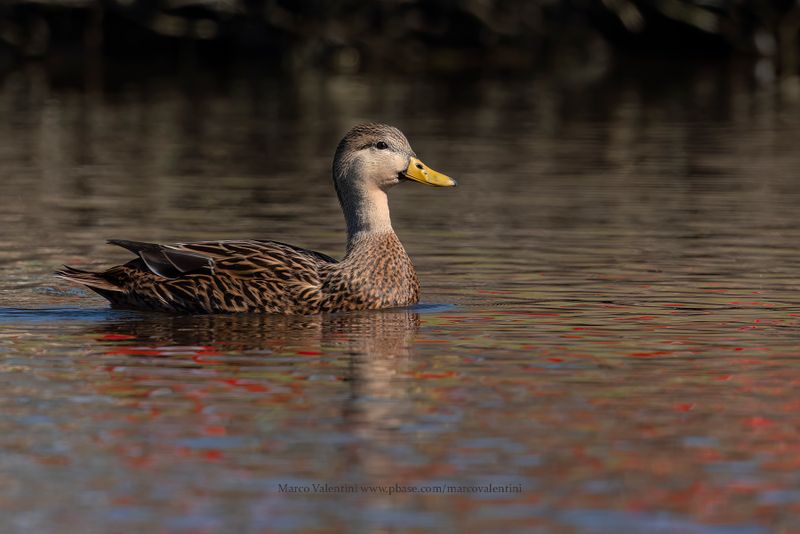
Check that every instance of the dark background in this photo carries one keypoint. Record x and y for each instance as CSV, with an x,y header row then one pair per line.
x,y
410,36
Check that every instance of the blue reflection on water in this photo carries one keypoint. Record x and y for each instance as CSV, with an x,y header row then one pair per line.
x,y
653,523
17,315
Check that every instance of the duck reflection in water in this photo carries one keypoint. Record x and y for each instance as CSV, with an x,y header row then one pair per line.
x,y
369,351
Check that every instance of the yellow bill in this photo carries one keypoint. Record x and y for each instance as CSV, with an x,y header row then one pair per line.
x,y
419,172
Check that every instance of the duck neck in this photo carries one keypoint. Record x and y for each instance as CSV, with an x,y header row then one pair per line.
x,y
367,214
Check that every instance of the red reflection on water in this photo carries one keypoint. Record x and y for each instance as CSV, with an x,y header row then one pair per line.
x,y
757,422
651,354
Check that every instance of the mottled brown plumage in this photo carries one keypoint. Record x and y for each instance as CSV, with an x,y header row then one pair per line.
x,y
273,277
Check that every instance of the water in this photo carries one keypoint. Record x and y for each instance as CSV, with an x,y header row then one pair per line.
x,y
608,329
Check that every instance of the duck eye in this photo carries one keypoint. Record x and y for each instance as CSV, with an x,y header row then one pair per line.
x,y
380,145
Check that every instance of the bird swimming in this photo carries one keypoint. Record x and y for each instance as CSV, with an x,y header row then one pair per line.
x,y
273,277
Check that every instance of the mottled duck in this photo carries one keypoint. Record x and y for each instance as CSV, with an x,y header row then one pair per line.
x,y
273,277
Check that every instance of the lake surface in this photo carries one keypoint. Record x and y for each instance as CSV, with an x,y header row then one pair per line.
x,y
608,339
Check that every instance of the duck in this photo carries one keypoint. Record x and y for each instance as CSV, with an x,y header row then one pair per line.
x,y
262,276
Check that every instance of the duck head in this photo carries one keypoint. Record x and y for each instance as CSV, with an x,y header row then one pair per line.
x,y
371,159
379,156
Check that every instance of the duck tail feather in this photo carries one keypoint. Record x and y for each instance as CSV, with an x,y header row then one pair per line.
x,y
87,278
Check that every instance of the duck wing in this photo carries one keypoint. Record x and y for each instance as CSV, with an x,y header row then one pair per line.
x,y
168,261
213,276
